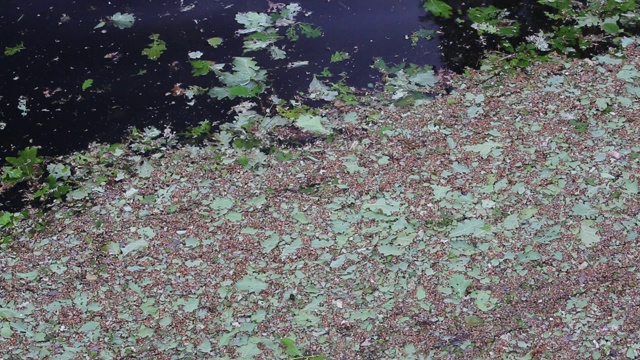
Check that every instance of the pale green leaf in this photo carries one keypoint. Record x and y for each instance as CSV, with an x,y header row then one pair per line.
x,y
583,209
134,246
390,250
122,21
89,326
459,283
144,331
205,346
270,243
588,234
253,22
192,304
291,248
251,284
467,227
385,206
312,124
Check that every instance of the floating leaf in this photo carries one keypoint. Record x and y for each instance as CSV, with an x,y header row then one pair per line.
x,y
386,206
588,234
155,48
312,123
214,41
484,149
390,250
340,56
253,22
473,320
122,21
467,227
145,170
251,283
89,326
438,8
134,246
291,248
583,209
459,283
205,346
9,51
318,90
87,84
290,347
610,27
201,67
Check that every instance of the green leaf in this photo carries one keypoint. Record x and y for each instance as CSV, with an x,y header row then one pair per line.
x,y
588,234
611,28
339,56
214,41
290,347
200,67
251,284
155,48
312,124
473,320
438,8
6,313
277,53
10,51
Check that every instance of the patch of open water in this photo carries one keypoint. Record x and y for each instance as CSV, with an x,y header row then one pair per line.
x,y
62,50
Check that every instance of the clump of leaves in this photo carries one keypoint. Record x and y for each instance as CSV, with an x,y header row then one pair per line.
x,y
23,167
575,28
10,51
155,48
199,132
150,139
421,34
263,29
402,80
246,80
201,67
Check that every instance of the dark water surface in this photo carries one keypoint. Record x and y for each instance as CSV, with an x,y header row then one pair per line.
x,y
62,50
